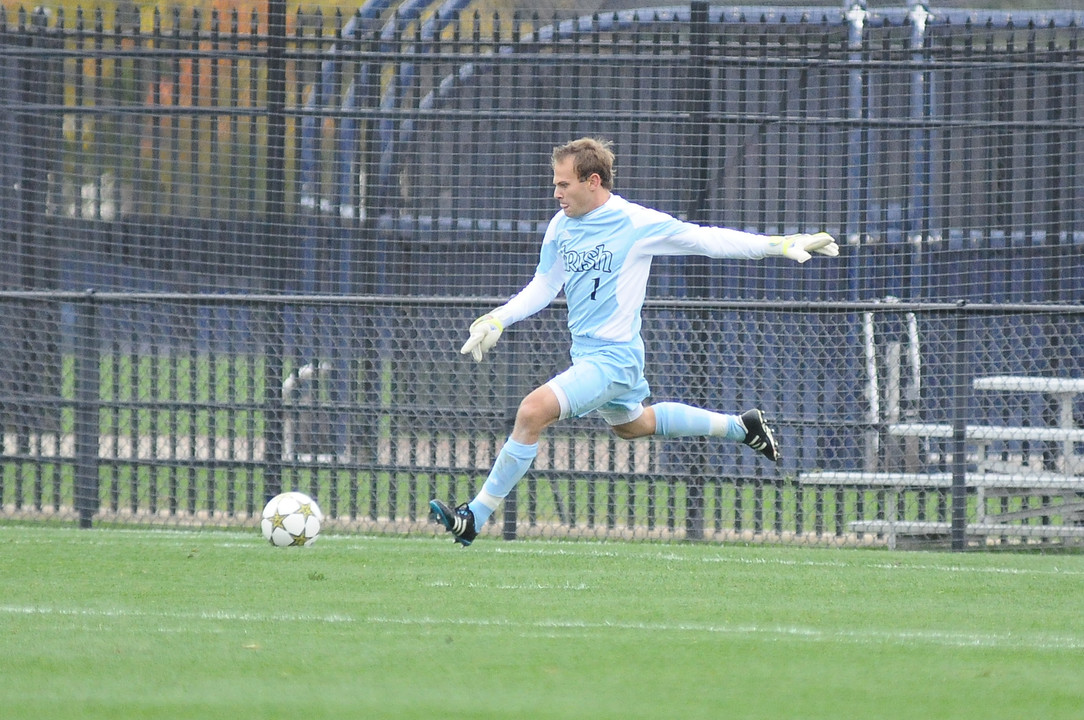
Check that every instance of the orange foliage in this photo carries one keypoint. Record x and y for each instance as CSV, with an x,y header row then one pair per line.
x,y
225,8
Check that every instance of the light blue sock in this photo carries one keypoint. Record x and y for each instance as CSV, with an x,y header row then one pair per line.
x,y
680,420
511,464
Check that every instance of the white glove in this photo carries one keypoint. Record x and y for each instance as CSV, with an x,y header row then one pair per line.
x,y
484,334
798,247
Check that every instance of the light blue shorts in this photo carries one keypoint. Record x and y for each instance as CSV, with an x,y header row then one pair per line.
x,y
604,377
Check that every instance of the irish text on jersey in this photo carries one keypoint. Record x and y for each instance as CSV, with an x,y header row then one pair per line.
x,y
597,258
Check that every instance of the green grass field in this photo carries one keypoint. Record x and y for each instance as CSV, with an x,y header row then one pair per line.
x,y
171,624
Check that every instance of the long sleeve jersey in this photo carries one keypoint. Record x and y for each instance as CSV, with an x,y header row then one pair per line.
x,y
603,259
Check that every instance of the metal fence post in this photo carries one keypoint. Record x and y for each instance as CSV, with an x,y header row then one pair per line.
x,y
508,519
960,397
276,275
922,93
274,411
698,103
86,409
276,147
511,503
857,136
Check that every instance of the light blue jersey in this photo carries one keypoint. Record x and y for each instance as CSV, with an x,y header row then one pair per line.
x,y
603,259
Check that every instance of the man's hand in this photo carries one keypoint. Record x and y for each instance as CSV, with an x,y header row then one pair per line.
x,y
798,247
484,334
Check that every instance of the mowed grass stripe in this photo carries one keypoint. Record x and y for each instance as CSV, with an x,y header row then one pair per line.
x,y
803,634
1025,563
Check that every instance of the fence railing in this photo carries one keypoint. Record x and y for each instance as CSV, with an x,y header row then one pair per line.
x,y
199,427
320,148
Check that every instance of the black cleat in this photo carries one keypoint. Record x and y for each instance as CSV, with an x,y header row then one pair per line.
x,y
459,522
758,435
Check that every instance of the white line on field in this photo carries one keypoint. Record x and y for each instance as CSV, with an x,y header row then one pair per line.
x,y
860,637
1010,641
740,560
894,566
512,586
207,615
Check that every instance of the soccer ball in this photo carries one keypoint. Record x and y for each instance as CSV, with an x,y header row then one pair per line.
x,y
291,519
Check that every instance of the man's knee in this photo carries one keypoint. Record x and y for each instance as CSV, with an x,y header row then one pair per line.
x,y
529,414
626,431
638,428
538,410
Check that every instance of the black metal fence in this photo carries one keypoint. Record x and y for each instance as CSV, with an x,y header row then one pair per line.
x,y
284,223
200,432
356,154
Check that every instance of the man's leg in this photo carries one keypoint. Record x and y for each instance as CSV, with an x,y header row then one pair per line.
x,y
679,420
511,465
540,409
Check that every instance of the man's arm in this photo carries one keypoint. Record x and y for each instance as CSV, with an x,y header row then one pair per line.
x,y
548,280
486,330
717,242
535,296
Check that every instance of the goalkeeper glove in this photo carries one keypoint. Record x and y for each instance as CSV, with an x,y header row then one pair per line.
x,y
484,334
798,247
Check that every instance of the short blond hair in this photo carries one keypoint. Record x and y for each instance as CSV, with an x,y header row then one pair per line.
x,y
590,156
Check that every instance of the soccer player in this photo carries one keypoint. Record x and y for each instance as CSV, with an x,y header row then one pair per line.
x,y
599,247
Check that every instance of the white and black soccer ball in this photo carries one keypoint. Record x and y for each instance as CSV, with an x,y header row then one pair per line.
x,y
291,519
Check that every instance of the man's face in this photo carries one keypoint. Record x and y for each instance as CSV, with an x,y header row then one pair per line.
x,y
576,197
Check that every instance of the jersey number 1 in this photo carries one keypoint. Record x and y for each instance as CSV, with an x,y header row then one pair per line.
x,y
595,290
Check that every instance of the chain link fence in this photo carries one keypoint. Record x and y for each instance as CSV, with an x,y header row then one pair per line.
x,y
898,422
243,252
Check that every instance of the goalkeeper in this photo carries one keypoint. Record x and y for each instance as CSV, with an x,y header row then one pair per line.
x,y
599,247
